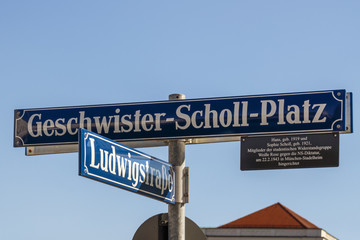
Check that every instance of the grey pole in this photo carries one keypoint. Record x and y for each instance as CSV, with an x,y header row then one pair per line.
x,y
176,213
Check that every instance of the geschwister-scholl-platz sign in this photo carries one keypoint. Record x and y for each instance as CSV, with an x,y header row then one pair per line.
x,y
321,111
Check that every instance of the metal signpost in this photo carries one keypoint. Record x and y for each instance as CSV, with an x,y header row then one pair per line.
x,y
104,160
271,127
176,212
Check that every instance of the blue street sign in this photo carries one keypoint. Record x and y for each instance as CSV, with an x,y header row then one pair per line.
x,y
109,162
322,111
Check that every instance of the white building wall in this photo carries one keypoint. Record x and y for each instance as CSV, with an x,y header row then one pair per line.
x,y
266,234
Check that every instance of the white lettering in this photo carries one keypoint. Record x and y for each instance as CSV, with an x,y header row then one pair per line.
x,y
281,112
236,114
38,126
158,179
193,119
142,173
158,121
83,119
127,124
164,179
182,116
121,164
92,146
48,124
171,183
137,121
104,125
152,170
135,174
264,111
69,126
147,122
112,161
207,117
306,107
293,117
104,160
320,110
60,126
117,121
225,118
244,114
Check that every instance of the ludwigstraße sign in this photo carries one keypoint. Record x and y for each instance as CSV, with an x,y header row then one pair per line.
x,y
197,118
104,160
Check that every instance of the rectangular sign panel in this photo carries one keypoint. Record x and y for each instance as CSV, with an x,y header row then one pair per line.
x,y
197,118
109,162
290,151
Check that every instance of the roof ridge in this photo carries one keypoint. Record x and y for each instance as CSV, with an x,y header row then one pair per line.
x,y
302,221
291,214
247,215
265,218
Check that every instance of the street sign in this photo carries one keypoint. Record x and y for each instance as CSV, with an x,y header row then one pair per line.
x,y
322,111
290,151
104,160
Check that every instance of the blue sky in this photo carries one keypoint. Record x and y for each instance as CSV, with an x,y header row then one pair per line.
x,y
70,53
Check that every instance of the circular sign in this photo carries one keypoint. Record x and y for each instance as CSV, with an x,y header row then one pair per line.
x,y
156,228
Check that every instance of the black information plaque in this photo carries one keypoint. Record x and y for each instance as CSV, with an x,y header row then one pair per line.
x,y
290,151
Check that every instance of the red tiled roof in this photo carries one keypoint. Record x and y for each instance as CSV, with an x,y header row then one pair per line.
x,y
274,216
